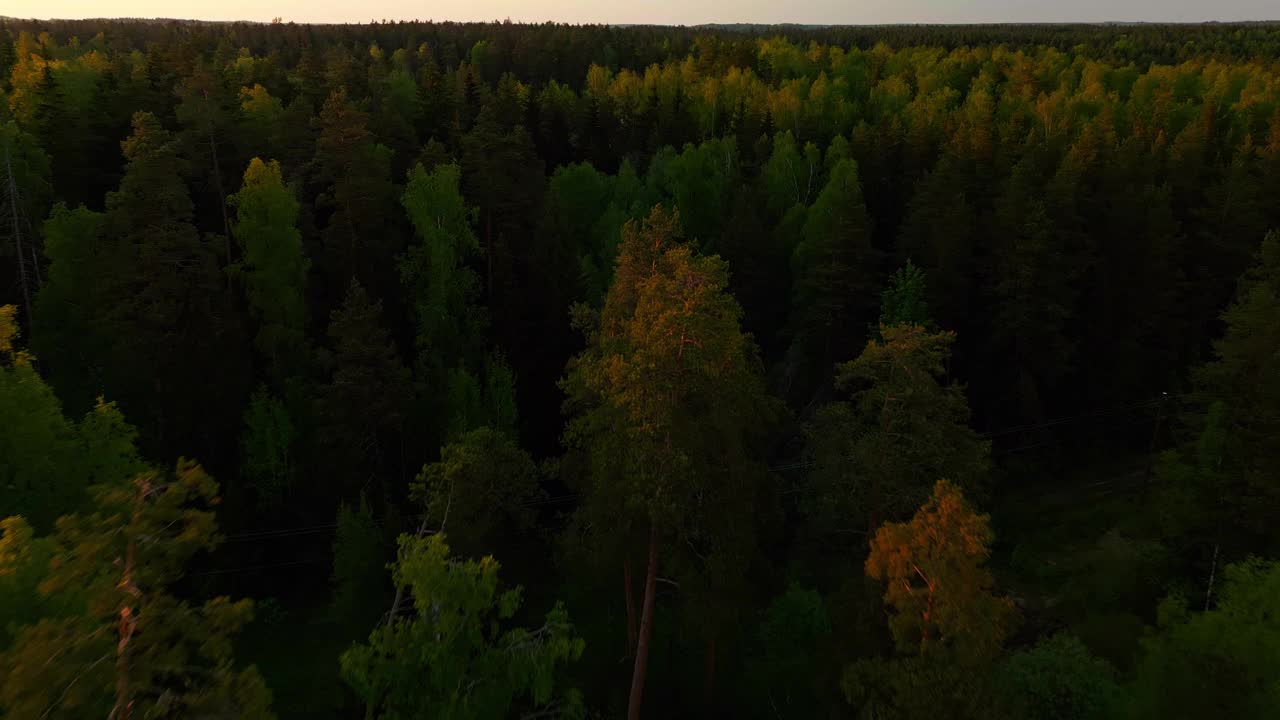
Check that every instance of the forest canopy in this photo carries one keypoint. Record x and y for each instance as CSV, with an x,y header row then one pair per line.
x,y
451,370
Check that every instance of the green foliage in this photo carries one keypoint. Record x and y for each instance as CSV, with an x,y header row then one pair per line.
x,y
435,272
880,452
263,117
131,640
275,267
1223,661
784,662
478,489
699,182
1081,199
668,336
943,686
68,328
790,179
363,405
27,163
835,266
585,210
266,446
47,461
35,438
145,289
458,655
356,172
451,323
24,562
937,234
903,302
1034,286
359,578
1058,679
1237,454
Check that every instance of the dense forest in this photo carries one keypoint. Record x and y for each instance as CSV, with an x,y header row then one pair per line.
x,y
412,370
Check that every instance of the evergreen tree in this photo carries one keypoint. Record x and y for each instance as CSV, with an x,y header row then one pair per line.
x,y
154,306
1032,296
361,409
878,453
835,266
47,461
935,579
354,170
478,489
359,579
1220,487
937,235
133,647
945,618
659,399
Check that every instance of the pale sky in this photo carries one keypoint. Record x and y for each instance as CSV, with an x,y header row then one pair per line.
x,y
666,12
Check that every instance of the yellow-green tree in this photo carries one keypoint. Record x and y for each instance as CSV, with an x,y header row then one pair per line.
x,y
274,264
458,656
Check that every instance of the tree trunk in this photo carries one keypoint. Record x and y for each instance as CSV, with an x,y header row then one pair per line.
x,y
11,186
631,606
123,707
646,629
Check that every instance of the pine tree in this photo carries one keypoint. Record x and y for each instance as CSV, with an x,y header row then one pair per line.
x,y
362,408
477,491
660,399
1220,488
1032,296
359,233
935,581
878,453
834,266
24,197
146,290
133,648
937,235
